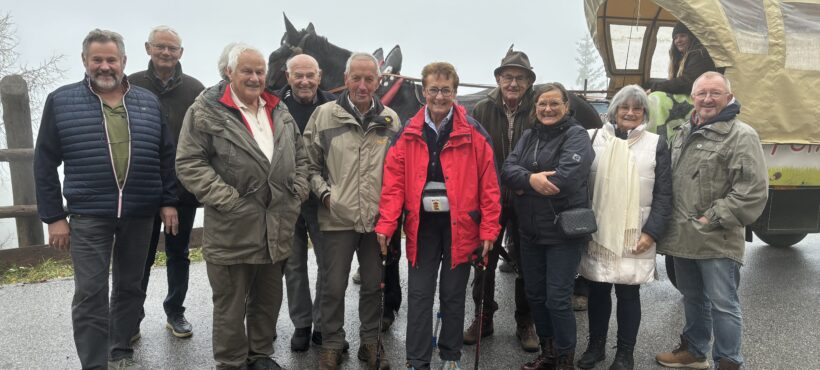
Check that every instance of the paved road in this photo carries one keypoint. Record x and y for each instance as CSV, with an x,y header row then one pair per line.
x,y
780,291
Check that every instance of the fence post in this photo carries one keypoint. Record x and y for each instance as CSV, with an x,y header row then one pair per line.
x,y
17,120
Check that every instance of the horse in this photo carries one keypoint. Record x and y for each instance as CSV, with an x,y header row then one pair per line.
x,y
403,95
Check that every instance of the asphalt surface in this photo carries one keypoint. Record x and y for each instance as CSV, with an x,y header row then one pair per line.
x,y
780,294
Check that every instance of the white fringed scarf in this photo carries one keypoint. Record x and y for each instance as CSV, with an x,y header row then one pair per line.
x,y
616,199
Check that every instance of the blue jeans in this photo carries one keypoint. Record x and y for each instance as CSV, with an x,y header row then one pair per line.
x,y
549,277
711,304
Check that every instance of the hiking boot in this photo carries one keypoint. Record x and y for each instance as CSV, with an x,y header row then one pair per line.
x,y
727,364
178,326
329,359
526,337
623,358
471,334
451,365
566,361
579,303
124,364
681,357
367,353
300,341
544,361
316,338
264,363
595,352
357,276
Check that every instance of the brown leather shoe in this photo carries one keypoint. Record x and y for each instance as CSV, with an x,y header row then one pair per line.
x,y
681,357
525,333
546,360
471,334
727,364
367,352
329,359
566,361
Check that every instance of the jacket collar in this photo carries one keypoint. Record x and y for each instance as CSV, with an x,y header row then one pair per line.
x,y
720,124
125,83
526,101
271,101
460,124
173,83
286,93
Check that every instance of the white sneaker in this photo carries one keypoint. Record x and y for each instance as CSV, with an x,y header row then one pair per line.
x,y
451,365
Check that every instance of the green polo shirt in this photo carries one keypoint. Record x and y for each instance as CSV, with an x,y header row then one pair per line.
x,y
119,139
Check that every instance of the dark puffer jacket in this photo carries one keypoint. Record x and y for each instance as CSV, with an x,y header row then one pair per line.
x,y
72,132
564,148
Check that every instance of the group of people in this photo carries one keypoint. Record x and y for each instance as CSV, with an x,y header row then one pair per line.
x,y
278,170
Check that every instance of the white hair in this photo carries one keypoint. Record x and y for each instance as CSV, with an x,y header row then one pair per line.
x,y
713,74
290,62
363,56
237,50
222,64
158,29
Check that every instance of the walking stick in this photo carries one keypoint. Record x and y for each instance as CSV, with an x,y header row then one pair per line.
x,y
478,261
381,313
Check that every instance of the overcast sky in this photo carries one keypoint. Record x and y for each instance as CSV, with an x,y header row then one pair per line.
x,y
473,35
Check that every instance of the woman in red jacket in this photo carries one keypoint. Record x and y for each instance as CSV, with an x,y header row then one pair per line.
x,y
440,170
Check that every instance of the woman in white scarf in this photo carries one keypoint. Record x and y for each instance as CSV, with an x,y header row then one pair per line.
x,y
632,199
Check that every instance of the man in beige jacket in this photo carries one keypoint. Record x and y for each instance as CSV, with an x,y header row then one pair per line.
x,y
346,141
241,154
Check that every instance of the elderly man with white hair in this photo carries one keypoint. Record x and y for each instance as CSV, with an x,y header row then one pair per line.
x,y
346,141
241,154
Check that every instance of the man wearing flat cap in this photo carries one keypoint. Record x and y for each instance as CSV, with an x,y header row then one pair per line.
x,y
505,114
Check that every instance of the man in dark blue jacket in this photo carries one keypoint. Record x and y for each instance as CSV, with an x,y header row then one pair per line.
x,y
118,162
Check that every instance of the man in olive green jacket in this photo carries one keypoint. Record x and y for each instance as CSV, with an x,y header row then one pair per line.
x,y
347,140
241,154
720,185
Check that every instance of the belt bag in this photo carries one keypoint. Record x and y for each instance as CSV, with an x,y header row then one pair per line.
x,y
577,222
434,197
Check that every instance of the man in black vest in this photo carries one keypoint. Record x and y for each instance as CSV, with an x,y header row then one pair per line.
x,y
175,91
302,96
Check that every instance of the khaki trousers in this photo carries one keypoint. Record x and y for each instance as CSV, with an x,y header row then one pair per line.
x,y
246,306
339,247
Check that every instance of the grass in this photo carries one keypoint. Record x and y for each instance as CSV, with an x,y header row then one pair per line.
x,y
56,269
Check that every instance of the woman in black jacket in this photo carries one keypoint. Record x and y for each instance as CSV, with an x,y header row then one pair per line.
x,y
548,170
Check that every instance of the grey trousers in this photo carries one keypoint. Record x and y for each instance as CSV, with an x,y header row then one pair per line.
x,y
433,257
102,331
246,300
303,312
339,249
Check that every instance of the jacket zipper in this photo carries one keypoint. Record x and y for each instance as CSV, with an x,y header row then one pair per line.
x,y
110,153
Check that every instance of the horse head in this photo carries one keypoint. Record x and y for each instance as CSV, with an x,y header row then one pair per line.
x,y
331,58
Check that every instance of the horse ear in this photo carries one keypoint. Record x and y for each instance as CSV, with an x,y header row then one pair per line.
x,y
392,61
379,54
311,29
290,31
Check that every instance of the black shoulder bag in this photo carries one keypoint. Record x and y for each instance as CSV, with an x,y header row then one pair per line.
x,y
576,222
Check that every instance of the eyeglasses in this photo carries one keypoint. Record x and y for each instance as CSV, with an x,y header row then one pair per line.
x,y
552,104
714,94
445,92
507,78
162,47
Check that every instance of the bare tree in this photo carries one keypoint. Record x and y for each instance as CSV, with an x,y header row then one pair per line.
x,y
590,66
39,78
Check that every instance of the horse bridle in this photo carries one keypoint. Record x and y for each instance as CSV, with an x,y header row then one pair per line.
x,y
294,50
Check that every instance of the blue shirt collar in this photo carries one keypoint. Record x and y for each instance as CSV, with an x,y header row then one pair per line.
x,y
431,124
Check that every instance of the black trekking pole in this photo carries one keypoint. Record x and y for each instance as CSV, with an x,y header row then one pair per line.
x,y
381,313
478,261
